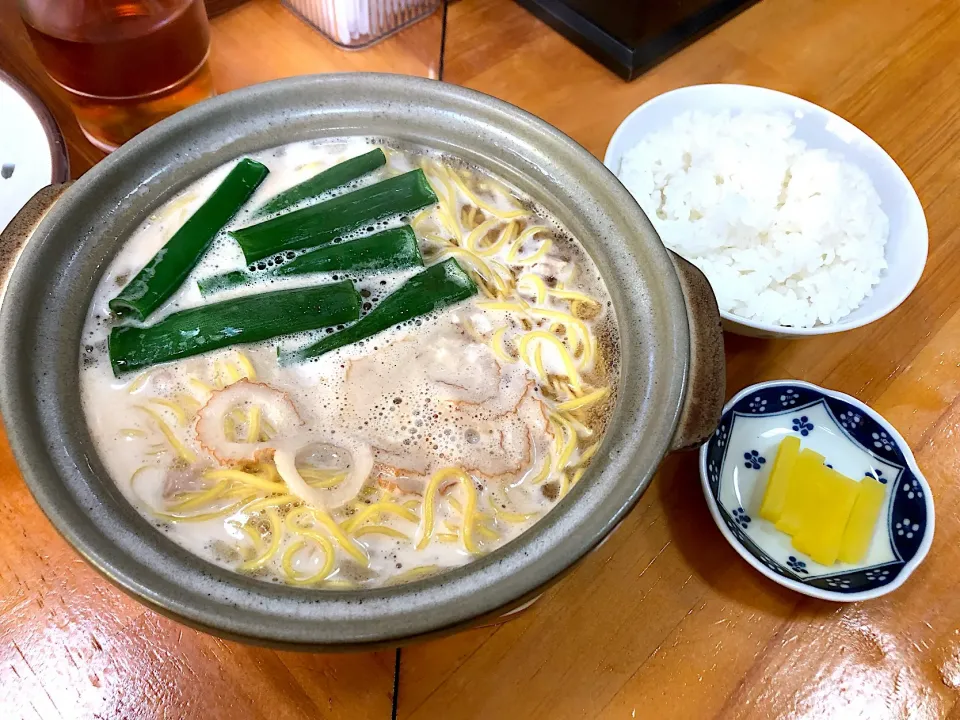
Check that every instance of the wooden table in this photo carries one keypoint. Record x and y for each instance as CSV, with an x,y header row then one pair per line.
x,y
665,620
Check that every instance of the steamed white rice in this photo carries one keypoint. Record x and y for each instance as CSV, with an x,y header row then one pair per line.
x,y
785,234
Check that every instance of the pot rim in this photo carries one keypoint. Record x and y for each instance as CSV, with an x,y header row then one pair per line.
x,y
54,450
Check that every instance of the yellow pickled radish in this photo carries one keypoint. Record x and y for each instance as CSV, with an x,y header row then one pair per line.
x,y
863,519
829,500
798,496
775,495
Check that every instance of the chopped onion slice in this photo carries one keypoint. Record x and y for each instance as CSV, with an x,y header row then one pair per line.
x,y
361,464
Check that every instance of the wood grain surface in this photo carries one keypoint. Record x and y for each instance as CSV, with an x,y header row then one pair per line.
x,y
664,620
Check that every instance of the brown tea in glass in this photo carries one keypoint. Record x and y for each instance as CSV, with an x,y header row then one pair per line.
x,y
124,64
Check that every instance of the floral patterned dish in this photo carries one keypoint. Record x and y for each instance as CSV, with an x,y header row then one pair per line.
x,y
735,464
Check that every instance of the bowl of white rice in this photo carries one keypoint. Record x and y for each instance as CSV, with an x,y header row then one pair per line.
x,y
801,222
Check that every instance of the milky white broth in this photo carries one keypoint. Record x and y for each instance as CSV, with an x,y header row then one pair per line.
x,y
431,394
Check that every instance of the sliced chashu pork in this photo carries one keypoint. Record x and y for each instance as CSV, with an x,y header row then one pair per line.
x,y
437,399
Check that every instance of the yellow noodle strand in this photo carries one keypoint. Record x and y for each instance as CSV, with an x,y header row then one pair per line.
x,y
426,516
429,496
230,428
518,306
486,532
498,347
556,387
583,401
233,375
322,479
536,256
201,386
187,402
505,238
253,536
471,330
536,283
377,509
218,373
527,234
443,242
238,491
268,472
479,232
138,382
184,452
574,296
540,336
582,430
483,205
588,453
286,564
380,530
246,366
413,574
136,474
511,517
469,513
229,510
580,338
340,584
286,561
323,517
172,407
446,198
246,478
421,216
132,433
275,537
479,264
538,360
253,424
544,472
202,498
567,445
274,501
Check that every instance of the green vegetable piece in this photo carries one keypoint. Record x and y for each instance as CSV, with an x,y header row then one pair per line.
x,y
324,222
232,322
388,250
166,271
334,177
436,287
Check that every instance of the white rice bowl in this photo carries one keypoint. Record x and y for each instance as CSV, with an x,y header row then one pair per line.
x,y
787,235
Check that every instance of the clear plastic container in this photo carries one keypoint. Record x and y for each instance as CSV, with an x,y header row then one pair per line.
x,y
356,24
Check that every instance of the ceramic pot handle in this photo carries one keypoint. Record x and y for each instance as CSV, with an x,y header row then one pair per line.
x,y
15,236
706,383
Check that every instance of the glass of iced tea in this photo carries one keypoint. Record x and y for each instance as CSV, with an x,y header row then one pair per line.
x,y
124,64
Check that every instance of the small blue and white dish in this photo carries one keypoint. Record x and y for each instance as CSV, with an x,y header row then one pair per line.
x,y
735,464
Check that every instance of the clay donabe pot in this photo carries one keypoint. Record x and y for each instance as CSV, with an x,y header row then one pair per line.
x,y
671,377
